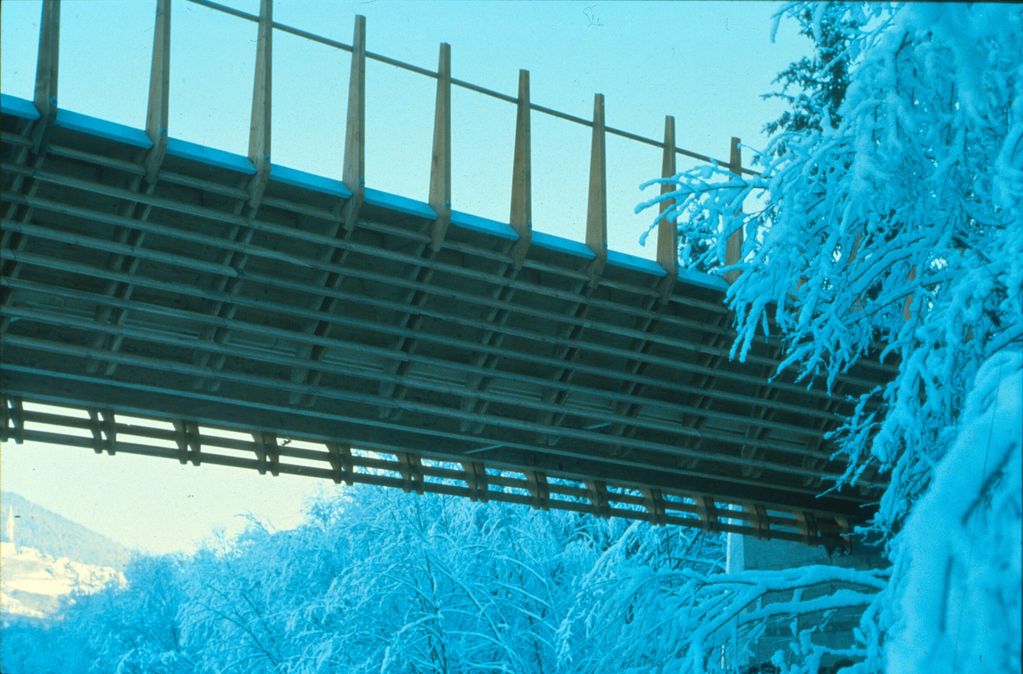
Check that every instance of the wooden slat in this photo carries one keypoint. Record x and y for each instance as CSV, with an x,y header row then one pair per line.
x,y
199,444
644,464
556,385
573,340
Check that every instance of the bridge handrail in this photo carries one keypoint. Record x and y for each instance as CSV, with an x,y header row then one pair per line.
x,y
337,44
353,172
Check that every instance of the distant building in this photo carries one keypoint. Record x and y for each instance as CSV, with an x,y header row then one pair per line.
x,y
7,544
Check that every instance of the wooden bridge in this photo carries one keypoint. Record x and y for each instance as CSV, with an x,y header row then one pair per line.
x,y
168,299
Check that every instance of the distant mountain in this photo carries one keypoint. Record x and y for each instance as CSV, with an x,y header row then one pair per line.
x,y
56,536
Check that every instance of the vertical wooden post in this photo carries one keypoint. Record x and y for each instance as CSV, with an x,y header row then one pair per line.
x,y
262,98
262,88
521,218
667,229
354,171
596,212
157,111
47,71
440,164
733,247
907,304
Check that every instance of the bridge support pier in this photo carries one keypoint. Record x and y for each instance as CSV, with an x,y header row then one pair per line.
x,y
746,553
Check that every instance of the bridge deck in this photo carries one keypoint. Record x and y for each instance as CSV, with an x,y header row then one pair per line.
x,y
169,304
199,290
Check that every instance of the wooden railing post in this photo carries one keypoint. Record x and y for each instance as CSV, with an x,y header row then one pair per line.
x,y
440,164
521,218
262,98
907,304
47,72
733,247
596,212
157,110
354,171
667,229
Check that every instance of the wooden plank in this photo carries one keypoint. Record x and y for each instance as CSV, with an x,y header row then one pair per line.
x,y
668,365
157,114
440,163
733,247
596,211
577,463
356,349
258,251
521,218
353,173
667,229
150,338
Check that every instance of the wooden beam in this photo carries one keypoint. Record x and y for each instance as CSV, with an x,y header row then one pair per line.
x,y
47,72
513,484
596,491
476,480
262,94
268,452
596,212
521,218
104,431
354,170
440,163
187,436
653,500
733,248
341,462
667,229
157,111
907,304
539,489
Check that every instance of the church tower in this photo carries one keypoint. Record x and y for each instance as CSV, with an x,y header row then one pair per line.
x,y
9,546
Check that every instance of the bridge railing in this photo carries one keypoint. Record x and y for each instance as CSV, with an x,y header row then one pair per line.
x,y
353,174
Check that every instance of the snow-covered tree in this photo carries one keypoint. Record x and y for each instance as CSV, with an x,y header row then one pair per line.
x,y
897,227
382,581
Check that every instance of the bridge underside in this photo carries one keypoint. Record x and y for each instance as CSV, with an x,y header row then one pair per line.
x,y
314,326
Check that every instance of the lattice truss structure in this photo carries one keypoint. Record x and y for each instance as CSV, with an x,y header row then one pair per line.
x,y
247,314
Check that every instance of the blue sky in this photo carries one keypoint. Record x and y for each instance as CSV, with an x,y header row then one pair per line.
x,y
705,63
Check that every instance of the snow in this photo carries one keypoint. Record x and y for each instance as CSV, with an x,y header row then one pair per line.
x,y
34,583
958,584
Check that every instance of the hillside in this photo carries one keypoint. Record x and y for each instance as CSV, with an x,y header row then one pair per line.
x,y
56,536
